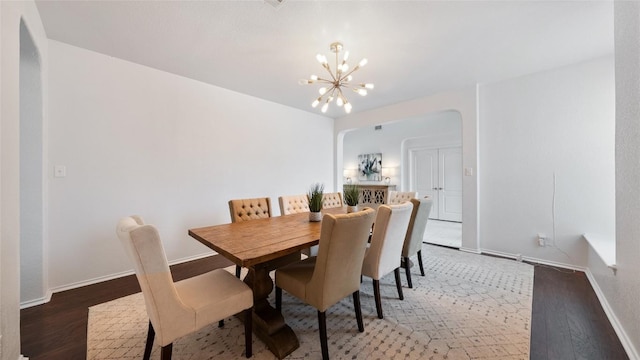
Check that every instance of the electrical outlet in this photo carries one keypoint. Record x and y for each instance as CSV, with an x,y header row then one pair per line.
x,y
542,239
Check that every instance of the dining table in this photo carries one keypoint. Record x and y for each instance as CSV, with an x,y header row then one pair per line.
x,y
263,245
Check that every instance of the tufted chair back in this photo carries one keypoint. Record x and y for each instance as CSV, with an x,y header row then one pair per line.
x,y
332,200
398,197
249,209
293,204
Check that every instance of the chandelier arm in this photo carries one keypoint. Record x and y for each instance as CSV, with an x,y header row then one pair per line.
x,y
328,68
341,95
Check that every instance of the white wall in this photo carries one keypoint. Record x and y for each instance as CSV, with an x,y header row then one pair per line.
x,y
395,138
136,140
32,259
11,14
555,122
621,290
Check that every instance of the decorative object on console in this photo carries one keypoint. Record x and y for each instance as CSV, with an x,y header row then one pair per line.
x,y
370,167
315,201
340,78
349,174
351,197
386,174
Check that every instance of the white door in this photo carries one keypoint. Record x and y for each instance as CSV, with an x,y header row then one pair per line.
x,y
424,176
438,173
450,184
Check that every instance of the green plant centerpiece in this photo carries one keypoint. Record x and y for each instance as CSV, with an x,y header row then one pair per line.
x,y
315,195
351,197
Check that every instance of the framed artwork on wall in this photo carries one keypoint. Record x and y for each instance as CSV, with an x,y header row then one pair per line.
x,y
370,167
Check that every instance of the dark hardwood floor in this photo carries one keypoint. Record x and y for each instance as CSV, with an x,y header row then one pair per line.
x,y
567,319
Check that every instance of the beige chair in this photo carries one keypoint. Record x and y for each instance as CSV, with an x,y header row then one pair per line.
x,y
332,200
178,309
387,240
324,280
249,209
415,235
293,204
398,197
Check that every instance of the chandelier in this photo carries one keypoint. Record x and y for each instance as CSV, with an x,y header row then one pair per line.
x,y
333,88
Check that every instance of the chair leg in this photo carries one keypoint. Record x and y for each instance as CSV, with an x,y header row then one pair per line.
x,y
408,272
166,352
376,295
322,325
149,346
238,271
278,299
420,262
248,328
398,283
356,306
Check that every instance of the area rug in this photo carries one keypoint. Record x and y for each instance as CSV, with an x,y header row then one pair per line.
x,y
466,307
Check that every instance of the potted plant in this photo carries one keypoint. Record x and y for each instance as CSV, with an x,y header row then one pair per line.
x,y
315,195
351,197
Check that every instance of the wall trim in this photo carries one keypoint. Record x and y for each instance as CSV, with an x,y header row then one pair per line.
x,y
530,259
613,319
39,301
50,292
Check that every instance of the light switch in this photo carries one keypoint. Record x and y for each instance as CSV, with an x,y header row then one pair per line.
x,y
59,171
468,171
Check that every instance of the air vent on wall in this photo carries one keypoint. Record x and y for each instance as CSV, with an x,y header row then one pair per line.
x,y
378,127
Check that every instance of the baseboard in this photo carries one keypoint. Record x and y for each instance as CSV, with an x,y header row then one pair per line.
x,y
470,250
50,292
36,302
519,257
613,319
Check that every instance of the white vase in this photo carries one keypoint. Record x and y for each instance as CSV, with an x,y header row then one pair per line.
x,y
315,216
352,208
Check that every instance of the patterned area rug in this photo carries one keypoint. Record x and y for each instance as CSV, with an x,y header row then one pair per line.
x,y
466,307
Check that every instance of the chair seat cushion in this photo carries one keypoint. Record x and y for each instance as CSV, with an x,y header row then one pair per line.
x,y
294,277
214,296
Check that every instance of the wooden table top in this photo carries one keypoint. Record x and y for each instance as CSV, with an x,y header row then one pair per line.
x,y
257,241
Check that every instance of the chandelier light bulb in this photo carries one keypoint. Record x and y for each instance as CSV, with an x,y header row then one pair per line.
x,y
339,81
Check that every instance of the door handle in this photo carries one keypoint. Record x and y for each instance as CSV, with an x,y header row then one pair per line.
x,y
437,188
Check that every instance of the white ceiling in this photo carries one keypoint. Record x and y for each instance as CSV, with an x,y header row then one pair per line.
x,y
414,48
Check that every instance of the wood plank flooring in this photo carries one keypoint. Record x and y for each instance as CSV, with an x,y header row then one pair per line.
x,y
567,319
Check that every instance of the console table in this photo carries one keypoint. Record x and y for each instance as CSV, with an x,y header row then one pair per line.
x,y
373,195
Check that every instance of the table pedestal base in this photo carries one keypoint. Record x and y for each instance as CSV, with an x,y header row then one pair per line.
x,y
268,323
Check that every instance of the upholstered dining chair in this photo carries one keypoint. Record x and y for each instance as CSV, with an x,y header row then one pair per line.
x,y
180,308
415,235
382,256
293,204
249,209
332,200
324,280
398,197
